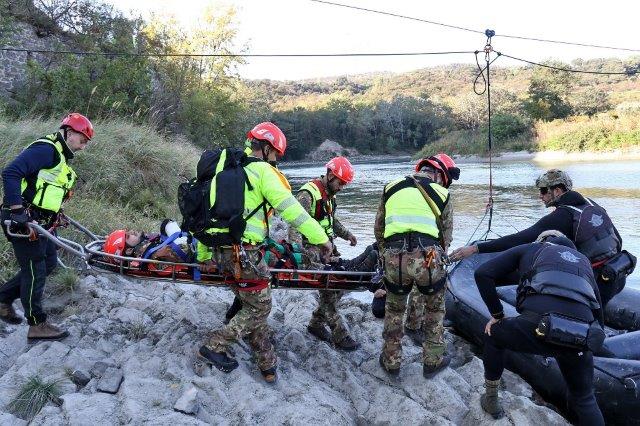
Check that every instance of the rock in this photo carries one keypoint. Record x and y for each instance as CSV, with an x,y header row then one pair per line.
x,y
11,420
329,149
110,380
188,401
80,377
97,409
130,316
100,367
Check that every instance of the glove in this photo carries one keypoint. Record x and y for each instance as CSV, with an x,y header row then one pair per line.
x,y
19,218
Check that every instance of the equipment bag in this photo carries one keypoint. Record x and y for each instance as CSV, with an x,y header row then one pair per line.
x,y
620,265
561,330
226,166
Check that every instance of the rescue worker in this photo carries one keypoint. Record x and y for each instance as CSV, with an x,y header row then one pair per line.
x,y
413,226
35,185
582,220
556,278
267,185
415,306
318,197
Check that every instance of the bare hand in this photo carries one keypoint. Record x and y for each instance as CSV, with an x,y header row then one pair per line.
x,y
463,252
326,250
381,292
487,328
352,240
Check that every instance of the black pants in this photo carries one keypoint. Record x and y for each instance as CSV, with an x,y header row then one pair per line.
x,y
36,259
517,334
609,289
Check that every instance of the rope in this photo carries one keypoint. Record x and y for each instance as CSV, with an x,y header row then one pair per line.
x,y
231,55
627,72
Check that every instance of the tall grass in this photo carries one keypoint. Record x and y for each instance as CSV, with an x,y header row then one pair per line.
x,y
129,175
33,395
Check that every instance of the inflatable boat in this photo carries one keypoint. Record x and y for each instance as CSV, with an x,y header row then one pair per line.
x,y
616,367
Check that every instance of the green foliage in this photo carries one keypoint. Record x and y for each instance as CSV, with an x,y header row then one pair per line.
x,y
590,102
506,127
64,281
129,176
548,92
33,395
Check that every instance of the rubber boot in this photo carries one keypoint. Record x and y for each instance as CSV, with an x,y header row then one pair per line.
x,y
270,375
233,310
347,344
8,314
45,331
417,336
490,401
430,370
320,332
391,371
220,360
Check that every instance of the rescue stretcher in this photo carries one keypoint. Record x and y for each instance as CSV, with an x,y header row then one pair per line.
x,y
92,258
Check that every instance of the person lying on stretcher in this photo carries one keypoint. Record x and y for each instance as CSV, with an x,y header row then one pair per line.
x,y
170,245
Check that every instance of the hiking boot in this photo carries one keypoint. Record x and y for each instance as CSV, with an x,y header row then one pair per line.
x,y
347,344
417,336
490,401
45,331
320,332
390,371
220,360
233,310
8,314
430,370
270,375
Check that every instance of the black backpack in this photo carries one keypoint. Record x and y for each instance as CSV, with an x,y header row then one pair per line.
x,y
198,214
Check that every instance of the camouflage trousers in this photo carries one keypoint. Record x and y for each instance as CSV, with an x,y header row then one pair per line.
x,y
425,310
327,313
250,322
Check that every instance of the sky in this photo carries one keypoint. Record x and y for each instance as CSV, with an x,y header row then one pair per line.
x,y
304,26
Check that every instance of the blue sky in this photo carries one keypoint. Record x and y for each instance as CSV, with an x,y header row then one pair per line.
x,y
303,26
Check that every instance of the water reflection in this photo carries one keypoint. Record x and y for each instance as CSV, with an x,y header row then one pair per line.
x,y
516,203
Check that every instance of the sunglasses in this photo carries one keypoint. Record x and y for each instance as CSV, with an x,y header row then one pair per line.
x,y
544,191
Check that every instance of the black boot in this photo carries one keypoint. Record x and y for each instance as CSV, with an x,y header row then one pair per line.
x,y
490,401
347,344
417,336
320,332
233,310
430,370
220,360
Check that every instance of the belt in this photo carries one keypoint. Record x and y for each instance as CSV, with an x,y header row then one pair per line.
x,y
412,240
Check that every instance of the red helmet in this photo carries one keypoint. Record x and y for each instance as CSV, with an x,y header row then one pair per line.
x,y
79,123
116,242
341,168
444,164
269,132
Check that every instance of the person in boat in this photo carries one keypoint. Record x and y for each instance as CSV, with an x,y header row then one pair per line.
x,y
36,184
265,186
557,290
581,219
318,197
415,306
413,227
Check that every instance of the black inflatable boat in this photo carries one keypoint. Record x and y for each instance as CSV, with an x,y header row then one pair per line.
x,y
616,377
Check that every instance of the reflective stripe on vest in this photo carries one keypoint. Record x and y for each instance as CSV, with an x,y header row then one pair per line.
x,y
407,211
322,208
52,185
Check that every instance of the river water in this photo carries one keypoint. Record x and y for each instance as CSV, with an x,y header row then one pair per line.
x,y
613,185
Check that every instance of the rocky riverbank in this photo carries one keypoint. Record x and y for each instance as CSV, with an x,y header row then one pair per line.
x,y
130,359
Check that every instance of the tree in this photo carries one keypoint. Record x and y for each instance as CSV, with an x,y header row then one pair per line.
x,y
548,93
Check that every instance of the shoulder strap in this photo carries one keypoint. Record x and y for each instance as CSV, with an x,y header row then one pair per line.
x,y
434,210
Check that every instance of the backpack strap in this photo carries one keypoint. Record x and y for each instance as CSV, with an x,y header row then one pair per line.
x,y
169,241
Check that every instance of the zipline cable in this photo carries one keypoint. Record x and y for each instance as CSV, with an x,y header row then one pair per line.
x,y
628,72
232,55
457,27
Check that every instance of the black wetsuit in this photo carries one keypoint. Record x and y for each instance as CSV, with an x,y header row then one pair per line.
x,y
518,333
561,219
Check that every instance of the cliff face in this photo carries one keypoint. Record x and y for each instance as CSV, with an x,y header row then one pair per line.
x,y
131,359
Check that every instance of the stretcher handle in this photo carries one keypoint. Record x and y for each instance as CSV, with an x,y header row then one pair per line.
x,y
62,243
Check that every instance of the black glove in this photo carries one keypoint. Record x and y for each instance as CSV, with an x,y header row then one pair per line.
x,y
19,218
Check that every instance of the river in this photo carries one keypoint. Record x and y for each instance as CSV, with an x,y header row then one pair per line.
x,y
613,185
